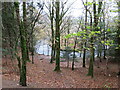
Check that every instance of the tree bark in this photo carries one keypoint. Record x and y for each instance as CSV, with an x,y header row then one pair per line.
x,y
68,32
84,51
118,40
57,36
90,70
74,53
25,29
91,64
104,56
52,28
18,20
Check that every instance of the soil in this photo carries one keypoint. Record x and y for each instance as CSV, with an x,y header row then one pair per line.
x,y
41,74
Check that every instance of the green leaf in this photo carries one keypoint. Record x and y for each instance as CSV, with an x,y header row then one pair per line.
x,y
92,32
71,44
68,36
84,38
88,27
74,34
98,32
89,3
98,27
102,42
108,30
78,34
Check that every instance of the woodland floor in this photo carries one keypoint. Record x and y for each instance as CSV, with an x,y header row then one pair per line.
x,y
41,75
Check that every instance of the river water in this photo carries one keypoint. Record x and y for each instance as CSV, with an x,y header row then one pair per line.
x,y
42,47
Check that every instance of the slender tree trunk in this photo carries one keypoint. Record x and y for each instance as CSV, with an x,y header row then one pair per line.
x,y
84,55
27,45
32,52
18,20
84,51
24,56
95,23
23,50
104,46
52,28
99,52
74,53
118,43
118,40
75,43
90,70
65,42
80,54
25,28
100,56
68,32
57,36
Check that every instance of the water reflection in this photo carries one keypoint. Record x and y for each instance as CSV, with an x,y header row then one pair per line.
x,y
43,48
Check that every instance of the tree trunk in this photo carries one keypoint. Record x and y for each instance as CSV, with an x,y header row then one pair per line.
x,y
32,52
22,30
65,42
104,46
90,71
68,32
84,51
84,55
23,47
118,40
18,20
57,36
25,30
52,28
74,53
